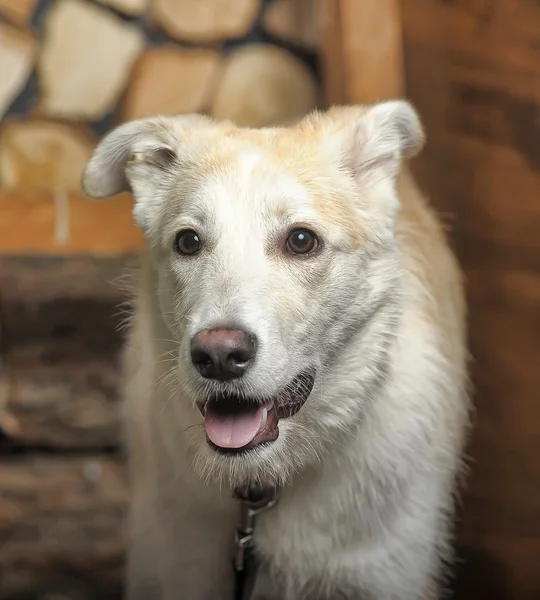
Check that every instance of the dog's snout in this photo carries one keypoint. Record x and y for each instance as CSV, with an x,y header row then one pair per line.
x,y
222,354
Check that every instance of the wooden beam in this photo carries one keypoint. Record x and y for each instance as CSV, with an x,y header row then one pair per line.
x,y
66,223
62,526
62,338
361,49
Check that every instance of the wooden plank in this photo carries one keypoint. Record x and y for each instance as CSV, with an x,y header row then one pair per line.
x,y
65,406
35,222
61,525
62,316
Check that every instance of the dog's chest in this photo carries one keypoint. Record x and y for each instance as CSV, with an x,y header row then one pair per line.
x,y
302,542
267,586
311,523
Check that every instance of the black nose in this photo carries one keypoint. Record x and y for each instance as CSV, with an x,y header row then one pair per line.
x,y
222,354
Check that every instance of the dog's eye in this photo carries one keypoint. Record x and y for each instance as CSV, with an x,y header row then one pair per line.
x,y
302,241
187,242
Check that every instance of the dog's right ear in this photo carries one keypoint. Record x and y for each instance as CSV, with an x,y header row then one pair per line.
x,y
139,156
105,174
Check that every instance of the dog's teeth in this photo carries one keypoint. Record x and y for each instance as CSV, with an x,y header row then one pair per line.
x,y
263,419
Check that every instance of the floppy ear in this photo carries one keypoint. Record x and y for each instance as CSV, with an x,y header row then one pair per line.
x,y
139,156
378,137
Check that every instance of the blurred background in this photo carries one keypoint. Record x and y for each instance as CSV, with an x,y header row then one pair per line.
x,y
72,69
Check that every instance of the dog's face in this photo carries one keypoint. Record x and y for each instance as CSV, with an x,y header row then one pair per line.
x,y
270,250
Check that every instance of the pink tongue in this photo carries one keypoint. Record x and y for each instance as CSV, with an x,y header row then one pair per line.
x,y
232,431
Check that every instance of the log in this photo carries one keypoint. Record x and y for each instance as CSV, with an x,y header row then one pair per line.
x,y
203,21
17,11
85,61
131,8
62,316
67,223
368,37
61,526
8,424
293,21
41,154
170,80
64,406
264,85
17,56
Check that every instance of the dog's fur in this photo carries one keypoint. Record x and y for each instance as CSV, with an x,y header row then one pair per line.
x,y
367,468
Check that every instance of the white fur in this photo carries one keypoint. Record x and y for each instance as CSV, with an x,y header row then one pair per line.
x,y
367,467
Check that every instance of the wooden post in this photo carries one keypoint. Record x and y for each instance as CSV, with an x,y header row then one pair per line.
x,y
331,52
361,48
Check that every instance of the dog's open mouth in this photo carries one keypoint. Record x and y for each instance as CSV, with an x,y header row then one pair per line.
x,y
235,424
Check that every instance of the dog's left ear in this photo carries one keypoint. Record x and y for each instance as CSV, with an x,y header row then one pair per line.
x,y
378,137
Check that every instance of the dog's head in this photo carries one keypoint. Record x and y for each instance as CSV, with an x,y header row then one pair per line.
x,y
271,249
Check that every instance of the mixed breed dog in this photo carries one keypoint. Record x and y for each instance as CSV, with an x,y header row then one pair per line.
x,y
299,323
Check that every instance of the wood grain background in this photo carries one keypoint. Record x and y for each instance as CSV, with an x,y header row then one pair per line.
x,y
473,70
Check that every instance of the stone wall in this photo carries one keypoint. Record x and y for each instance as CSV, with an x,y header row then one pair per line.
x,y
72,69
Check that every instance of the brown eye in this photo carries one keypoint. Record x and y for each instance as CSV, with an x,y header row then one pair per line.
x,y
302,241
187,242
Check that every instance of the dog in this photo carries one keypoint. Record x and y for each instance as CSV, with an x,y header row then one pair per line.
x,y
299,319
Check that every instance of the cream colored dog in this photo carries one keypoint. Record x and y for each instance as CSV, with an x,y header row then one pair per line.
x,y
299,319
